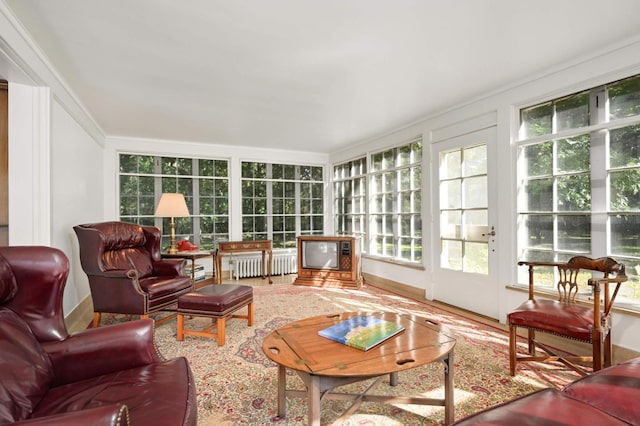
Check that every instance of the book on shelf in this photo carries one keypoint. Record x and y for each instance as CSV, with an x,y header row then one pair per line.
x,y
198,272
362,332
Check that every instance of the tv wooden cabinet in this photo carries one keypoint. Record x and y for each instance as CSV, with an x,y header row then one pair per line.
x,y
329,261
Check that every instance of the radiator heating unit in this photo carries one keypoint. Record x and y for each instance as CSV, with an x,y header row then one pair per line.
x,y
251,266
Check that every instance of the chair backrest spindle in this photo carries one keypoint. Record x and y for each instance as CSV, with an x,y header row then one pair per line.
x,y
567,283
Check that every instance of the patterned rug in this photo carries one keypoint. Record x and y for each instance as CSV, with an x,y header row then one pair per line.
x,y
236,383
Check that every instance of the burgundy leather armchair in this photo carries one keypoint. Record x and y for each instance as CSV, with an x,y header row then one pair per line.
x,y
127,274
606,397
106,376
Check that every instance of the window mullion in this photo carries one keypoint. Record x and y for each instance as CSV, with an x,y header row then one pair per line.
x,y
195,212
157,187
599,115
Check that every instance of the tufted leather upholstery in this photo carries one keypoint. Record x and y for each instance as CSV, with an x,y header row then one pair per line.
x,y
105,376
126,272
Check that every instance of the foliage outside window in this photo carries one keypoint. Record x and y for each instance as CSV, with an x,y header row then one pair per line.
x,y
579,180
350,197
281,201
203,182
393,209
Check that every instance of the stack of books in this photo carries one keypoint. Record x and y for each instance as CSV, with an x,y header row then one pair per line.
x,y
362,332
198,272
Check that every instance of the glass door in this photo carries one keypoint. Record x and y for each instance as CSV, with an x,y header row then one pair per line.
x,y
465,270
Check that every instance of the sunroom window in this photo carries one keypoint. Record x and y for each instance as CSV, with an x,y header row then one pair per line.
x,y
379,197
579,180
281,201
350,197
203,182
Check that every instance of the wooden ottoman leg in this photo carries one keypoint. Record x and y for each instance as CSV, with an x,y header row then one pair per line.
x,y
180,327
250,314
222,323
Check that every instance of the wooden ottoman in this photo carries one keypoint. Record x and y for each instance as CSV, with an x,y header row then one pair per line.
x,y
219,302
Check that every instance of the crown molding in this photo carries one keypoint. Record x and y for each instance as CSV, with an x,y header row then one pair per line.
x,y
23,61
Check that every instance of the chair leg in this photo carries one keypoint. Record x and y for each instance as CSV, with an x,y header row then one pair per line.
x,y
597,350
608,352
96,319
531,340
512,349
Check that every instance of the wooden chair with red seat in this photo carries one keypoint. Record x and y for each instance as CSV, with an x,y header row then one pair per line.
x,y
582,320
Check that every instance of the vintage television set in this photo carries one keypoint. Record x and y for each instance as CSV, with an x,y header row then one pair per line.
x,y
329,261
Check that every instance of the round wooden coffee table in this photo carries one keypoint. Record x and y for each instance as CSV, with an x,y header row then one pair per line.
x,y
324,364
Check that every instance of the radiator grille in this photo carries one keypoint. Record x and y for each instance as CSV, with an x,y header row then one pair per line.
x,y
250,266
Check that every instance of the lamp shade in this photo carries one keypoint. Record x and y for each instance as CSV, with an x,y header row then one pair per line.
x,y
172,205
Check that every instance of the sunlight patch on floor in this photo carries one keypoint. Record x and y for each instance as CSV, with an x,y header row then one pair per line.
x,y
368,419
460,396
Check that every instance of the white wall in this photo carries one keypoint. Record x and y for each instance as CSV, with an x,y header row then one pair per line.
x,y
55,180
29,165
76,194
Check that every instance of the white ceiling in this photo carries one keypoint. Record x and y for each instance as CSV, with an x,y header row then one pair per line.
x,y
313,75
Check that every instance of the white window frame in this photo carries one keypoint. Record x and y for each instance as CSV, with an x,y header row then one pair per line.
x,y
297,181
393,236
600,212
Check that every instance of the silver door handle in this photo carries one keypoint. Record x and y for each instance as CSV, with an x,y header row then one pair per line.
x,y
490,234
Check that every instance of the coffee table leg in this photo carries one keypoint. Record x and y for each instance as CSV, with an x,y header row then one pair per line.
x,y
448,389
282,389
313,400
393,379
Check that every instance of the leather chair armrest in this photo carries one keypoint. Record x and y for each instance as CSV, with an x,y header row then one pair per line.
x,y
169,267
103,350
114,273
107,415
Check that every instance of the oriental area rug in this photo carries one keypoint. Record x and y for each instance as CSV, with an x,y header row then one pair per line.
x,y
237,384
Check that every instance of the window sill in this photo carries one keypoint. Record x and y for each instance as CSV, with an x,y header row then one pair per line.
x,y
418,266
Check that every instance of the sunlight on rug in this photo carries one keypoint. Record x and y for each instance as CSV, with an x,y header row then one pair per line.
x,y
236,383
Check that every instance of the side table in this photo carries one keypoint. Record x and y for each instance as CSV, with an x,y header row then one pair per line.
x,y
192,256
232,247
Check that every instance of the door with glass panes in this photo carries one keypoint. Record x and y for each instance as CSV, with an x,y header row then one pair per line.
x,y
465,229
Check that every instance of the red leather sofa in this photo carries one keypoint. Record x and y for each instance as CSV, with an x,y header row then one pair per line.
x,y
106,376
607,397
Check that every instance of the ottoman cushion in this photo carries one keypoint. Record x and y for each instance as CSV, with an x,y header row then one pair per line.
x,y
215,300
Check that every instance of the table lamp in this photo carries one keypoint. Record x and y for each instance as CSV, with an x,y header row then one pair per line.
x,y
172,205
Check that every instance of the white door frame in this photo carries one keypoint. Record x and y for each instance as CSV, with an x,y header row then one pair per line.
x,y
475,292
